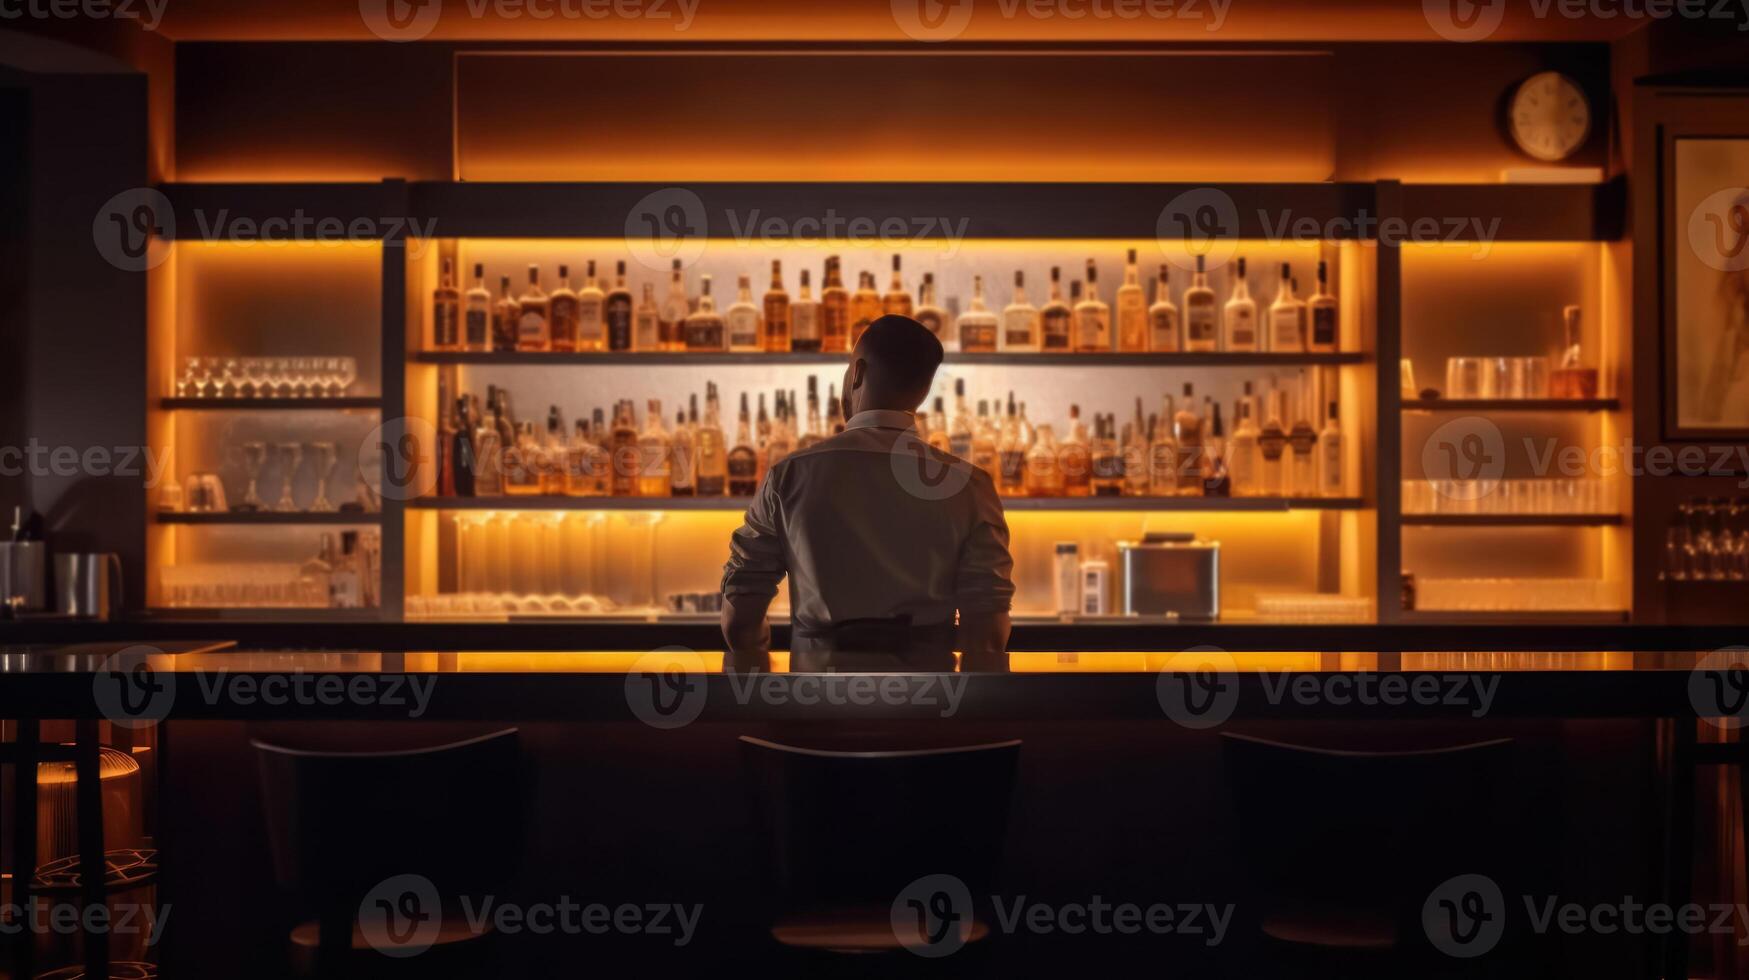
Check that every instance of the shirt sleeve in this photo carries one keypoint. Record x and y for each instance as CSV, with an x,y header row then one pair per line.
x,y
756,550
985,579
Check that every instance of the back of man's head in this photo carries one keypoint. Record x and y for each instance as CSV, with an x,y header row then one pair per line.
x,y
902,356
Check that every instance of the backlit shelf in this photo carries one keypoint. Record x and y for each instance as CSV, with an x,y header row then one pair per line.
x,y
1013,359
1510,520
1209,504
1512,405
270,517
268,404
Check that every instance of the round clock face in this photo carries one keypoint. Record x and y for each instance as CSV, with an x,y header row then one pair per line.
x,y
1550,117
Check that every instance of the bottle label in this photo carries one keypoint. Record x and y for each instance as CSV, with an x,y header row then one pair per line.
x,y
478,324
589,323
443,326
1090,330
1287,330
619,325
1056,330
563,316
1013,467
1199,323
744,331
1108,466
1324,326
1302,440
1017,330
1244,322
532,328
805,323
977,336
1273,442
1163,329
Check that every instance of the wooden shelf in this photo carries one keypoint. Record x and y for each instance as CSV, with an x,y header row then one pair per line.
x,y
270,517
1512,405
1205,504
1549,617
269,404
1510,520
1114,359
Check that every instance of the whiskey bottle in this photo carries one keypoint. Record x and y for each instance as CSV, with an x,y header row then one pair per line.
x,y
1242,449
506,317
617,311
647,322
1331,482
834,310
1076,457
1137,478
811,435
552,454
624,452
522,464
762,442
1131,310
1044,477
1020,327
464,457
930,315
984,444
704,326
479,315
1012,447
446,311
1322,309
1200,314
1303,440
1286,316
1162,453
1108,472
865,306
1055,316
783,440
675,310
488,453
1215,481
586,468
1271,449
897,301
532,331
562,312
1187,433
959,433
743,463
1239,318
654,451
937,434
741,320
977,326
683,461
1092,317
713,457
804,318
591,313
1163,334
777,328
834,411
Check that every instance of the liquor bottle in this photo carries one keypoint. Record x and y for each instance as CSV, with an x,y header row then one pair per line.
x,y
1020,326
1075,460
928,314
783,440
1163,316
1271,447
562,313
654,452
1044,477
532,330
345,580
1137,479
834,310
647,322
479,315
488,453
959,433
712,454
1108,462
446,311
522,465
897,301
1199,312
586,468
616,311
552,454
624,452
811,435
1092,317
591,313
1011,447
977,325
1286,316
1303,440
1131,310
504,416
1054,318
865,306
937,436
683,459
742,465
1322,309
506,316
1242,450
704,327
741,320
1162,453
762,442
675,310
1216,481
985,453
804,318
1187,432
776,311
1239,317
463,458
1331,482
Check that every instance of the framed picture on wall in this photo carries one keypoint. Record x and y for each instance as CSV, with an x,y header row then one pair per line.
x,y
1706,286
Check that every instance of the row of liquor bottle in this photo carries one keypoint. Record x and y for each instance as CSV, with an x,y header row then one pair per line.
x,y
1275,447
605,317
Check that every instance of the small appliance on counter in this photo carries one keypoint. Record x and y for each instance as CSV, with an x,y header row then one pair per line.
x,y
88,585
1176,575
23,559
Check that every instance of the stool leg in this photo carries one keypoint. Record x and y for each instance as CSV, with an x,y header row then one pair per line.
x,y
24,796
89,788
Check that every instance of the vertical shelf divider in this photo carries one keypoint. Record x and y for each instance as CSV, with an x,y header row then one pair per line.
x,y
391,586
1389,302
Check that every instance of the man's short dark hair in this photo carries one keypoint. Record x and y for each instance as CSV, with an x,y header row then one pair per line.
x,y
902,354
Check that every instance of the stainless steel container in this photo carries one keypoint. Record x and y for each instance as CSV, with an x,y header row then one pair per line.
x,y
1172,575
21,573
88,585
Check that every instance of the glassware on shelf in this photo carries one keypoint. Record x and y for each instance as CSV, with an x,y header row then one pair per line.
x,y
1573,379
254,457
326,457
230,383
1527,377
346,374
291,454
205,494
186,383
1463,377
1707,541
1314,607
205,375
1545,496
1406,380
1514,595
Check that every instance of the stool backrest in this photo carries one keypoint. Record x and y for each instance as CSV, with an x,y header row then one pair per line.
x,y
340,822
844,829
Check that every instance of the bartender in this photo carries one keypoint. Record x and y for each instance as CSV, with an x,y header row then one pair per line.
x,y
884,539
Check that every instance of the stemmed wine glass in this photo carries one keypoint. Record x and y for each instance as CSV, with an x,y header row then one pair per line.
x,y
255,374
346,374
205,369
190,371
291,454
279,376
254,457
231,377
326,457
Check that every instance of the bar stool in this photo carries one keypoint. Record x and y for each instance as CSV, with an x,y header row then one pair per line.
x,y
846,833
1344,847
341,824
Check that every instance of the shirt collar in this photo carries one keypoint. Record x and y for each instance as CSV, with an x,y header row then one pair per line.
x,y
881,418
